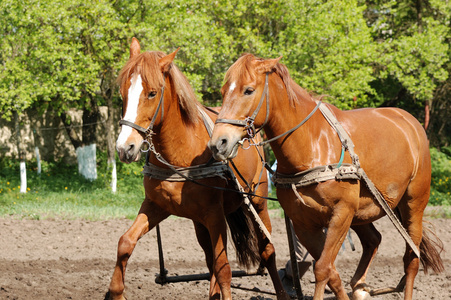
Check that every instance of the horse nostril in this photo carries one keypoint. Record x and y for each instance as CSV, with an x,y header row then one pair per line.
x,y
222,144
130,150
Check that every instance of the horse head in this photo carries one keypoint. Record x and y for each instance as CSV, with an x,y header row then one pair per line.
x,y
142,82
245,104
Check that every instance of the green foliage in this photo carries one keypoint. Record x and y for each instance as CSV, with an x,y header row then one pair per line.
x,y
330,55
57,55
441,177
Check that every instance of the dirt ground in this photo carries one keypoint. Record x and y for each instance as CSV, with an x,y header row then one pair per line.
x,y
60,259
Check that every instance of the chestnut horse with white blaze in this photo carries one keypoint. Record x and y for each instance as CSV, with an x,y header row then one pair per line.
x,y
389,145
160,110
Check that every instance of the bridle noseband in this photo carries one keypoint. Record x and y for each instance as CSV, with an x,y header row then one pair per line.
x,y
149,131
248,122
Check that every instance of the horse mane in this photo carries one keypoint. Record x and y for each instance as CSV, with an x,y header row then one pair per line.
x,y
244,67
147,65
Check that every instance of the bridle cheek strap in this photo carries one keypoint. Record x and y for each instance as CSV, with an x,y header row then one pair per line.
x,y
248,122
148,132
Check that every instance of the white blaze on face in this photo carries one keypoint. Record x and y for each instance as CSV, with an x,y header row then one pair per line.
x,y
232,87
131,111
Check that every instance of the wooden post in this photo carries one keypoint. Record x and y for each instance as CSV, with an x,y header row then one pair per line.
x,y
294,262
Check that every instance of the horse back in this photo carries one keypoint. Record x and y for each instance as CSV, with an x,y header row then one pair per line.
x,y
393,150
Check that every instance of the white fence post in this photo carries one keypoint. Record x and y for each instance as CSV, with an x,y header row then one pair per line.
x,y
114,177
23,176
38,159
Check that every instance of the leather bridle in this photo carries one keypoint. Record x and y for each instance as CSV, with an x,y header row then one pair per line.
x,y
248,122
148,132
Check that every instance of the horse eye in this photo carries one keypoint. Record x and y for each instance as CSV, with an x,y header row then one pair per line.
x,y
152,94
249,91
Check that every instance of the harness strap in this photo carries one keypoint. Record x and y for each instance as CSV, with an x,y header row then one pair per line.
x,y
318,105
133,125
217,169
391,215
341,132
341,171
317,175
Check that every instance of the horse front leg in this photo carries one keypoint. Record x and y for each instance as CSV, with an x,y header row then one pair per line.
x,y
222,272
149,216
325,271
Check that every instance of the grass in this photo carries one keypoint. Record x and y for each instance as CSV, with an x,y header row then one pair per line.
x,y
59,192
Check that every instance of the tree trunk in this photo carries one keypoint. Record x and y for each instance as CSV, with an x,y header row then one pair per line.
x,y
90,119
74,139
110,130
426,115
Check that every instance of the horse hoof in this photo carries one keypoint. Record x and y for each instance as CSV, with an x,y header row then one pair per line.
x,y
108,296
361,294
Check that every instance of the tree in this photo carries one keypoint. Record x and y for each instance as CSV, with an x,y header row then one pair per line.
x,y
413,40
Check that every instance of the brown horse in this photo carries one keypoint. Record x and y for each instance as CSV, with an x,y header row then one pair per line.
x,y
180,136
392,148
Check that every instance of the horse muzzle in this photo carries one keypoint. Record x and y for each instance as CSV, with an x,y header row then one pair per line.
x,y
223,148
128,152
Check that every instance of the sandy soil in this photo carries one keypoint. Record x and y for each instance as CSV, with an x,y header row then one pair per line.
x,y
60,259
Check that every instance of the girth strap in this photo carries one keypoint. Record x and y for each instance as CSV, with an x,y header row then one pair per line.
x,y
317,175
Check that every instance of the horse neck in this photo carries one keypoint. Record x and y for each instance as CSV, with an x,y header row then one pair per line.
x,y
309,145
180,143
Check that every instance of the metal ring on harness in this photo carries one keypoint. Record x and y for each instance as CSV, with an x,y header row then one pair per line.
x,y
242,143
146,148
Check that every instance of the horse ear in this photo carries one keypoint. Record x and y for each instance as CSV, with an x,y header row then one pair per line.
x,y
267,65
135,48
165,62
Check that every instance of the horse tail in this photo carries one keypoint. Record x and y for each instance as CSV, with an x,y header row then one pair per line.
x,y
430,248
244,238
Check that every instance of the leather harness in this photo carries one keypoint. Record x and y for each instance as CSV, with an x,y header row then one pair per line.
x,y
192,173
319,174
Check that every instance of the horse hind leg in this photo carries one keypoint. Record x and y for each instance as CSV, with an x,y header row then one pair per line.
x,y
370,239
203,237
410,211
